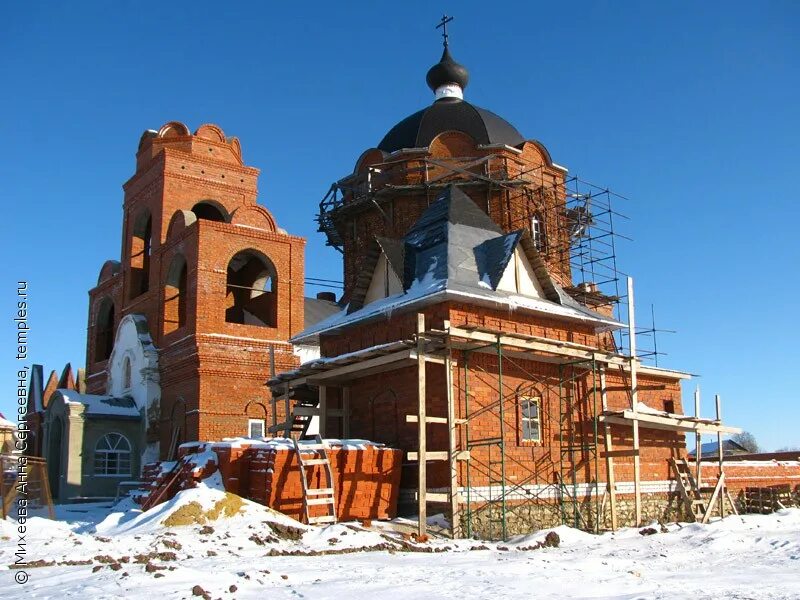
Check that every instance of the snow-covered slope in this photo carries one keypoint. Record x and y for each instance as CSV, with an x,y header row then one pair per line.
x,y
223,547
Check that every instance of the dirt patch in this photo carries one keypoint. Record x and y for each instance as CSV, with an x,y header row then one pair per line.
x,y
188,514
230,506
286,532
193,513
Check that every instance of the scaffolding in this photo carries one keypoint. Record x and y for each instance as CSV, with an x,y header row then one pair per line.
x,y
571,372
576,390
579,233
24,480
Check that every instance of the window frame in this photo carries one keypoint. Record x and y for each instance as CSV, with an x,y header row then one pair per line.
x,y
523,419
251,422
121,456
537,232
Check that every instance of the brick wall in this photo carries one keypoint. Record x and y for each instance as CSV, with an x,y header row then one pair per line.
x,y
511,209
379,404
212,371
366,478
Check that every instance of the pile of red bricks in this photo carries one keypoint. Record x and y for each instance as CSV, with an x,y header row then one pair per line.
x,y
366,476
763,473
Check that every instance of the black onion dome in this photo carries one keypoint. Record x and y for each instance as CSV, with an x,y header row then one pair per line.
x,y
447,71
450,114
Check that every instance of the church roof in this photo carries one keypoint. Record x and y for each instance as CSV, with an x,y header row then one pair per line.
x,y
450,114
102,406
317,309
455,251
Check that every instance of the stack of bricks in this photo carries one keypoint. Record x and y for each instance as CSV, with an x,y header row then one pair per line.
x,y
366,480
366,476
743,474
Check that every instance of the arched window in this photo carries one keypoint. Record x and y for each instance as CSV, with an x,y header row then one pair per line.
x,y
141,241
112,455
530,418
257,421
537,232
104,330
251,296
175,295
210,211
126,373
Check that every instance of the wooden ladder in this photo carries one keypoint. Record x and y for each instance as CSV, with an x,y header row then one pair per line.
x,y
316,496
694,496
687,486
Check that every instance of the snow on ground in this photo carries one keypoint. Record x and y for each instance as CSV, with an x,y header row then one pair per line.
x,y
96,551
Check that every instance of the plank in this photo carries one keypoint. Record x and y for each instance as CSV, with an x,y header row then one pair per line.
x,y
437,420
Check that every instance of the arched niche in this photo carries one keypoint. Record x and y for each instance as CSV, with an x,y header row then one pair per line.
x,y
103,329
180,220
254,215
453,144
175,295
141,248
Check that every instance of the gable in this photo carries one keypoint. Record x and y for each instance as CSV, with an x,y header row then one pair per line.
x,y
520,278
384,282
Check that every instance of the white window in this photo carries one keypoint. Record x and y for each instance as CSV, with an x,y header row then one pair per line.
x,y
112,455
531,422
255,428
537,232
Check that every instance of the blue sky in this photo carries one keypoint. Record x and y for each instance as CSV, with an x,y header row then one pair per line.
x,y
689,109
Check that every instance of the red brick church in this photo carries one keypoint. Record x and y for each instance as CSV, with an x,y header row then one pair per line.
x,y
476,332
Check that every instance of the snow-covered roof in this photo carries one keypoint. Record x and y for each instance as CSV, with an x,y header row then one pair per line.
x,y
5,423
456,252
108,406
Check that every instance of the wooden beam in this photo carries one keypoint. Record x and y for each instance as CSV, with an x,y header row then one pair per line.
x,y
346,411
612,485
422,472
323,411
561,351
648,421
721,455
637,487
532,343
717,489
287,411
698,446
440,455
358,367
437,420
452,437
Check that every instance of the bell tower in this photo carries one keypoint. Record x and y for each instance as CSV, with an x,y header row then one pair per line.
x,y
218,285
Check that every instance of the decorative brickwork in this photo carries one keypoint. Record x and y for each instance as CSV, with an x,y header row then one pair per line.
x,y
218,282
